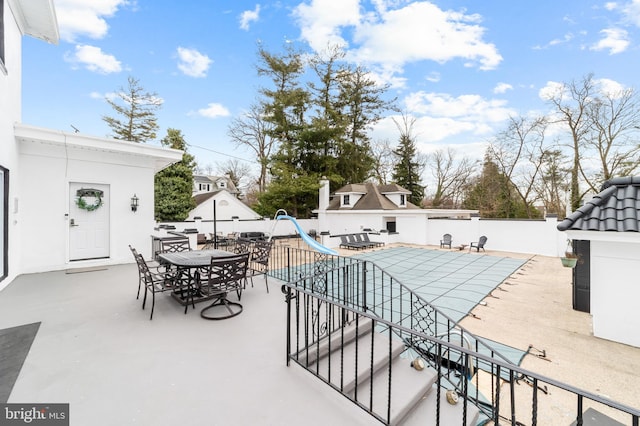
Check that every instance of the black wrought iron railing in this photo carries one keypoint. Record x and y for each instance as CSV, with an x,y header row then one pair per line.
x,y
326,293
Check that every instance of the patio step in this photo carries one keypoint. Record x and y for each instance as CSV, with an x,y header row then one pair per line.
x,y
320,349
424,412
345,360
413,392
408,387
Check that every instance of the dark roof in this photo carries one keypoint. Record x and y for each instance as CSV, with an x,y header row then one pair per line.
x,y
373,198
201,198
616,208
393,188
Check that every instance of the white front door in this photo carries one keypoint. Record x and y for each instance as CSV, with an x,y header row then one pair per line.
x,y
88,221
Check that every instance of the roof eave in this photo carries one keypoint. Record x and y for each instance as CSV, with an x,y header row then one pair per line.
x,y
164,157
36,18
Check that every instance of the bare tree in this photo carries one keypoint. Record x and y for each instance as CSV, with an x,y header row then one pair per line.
x,y
614,119
252,131
382,155
602,125
235,170
450,175
571,102
518,152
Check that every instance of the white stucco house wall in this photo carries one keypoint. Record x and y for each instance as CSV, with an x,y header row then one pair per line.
x,y
227,207
607,232
43,173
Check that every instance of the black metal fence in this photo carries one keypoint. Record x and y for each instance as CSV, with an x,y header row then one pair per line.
x,y
325,293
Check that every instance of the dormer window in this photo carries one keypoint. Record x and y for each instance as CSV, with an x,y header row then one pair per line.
x,y
345,200
402,200
222,184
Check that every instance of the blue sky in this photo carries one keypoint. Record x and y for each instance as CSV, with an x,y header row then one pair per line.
x,y
459,67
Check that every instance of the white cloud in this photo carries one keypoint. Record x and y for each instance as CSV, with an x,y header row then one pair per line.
x,y
608,87
398,33
611,5
321,20
433,77
604,86
556,41
616,40
214,110
550,90
631,12
502,88
249,16
440,117
94,59
78,18
470,108
193,63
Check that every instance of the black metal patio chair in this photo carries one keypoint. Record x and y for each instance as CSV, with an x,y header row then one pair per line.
x,y
241,245
225,275
155,280
259,262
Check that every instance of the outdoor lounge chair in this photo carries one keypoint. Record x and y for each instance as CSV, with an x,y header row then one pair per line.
x,y
349,242
365,236
479,245
445,241
362,241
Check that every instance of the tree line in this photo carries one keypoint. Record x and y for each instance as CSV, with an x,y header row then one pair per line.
x,y
313,116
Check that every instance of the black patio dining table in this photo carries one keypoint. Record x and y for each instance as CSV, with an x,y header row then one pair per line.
x,y
188,266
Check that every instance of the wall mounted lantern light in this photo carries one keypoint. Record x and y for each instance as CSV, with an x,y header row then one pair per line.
x,y
134,203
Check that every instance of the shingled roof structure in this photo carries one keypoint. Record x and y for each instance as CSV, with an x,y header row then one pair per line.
x,y
373,197
616,208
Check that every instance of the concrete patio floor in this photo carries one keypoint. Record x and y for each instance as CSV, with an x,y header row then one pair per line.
x,y
97,350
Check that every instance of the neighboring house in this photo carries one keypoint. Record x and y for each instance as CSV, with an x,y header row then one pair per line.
x,y
204,184
227,207
606,236
380,208
81,214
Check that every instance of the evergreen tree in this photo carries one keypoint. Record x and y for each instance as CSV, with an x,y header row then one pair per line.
x,y
138,111
320,127
409,166
174,185
493,194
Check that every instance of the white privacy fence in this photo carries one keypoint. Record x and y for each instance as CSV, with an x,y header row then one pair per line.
x,y
514,235
226,227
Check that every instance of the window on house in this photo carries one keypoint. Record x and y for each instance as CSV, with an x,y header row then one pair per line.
x,y
223,184
402,199
345,200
